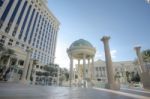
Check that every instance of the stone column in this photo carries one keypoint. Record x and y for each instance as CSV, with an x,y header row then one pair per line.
x,y
34,74
89,69
78,70
71,71
138,53
74,74
58,72
144,74
29,70
14,76
27,61
8,63
35,62
92,69
110,74
17,75
84,70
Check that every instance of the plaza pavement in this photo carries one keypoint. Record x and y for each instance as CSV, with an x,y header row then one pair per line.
x,y
19,91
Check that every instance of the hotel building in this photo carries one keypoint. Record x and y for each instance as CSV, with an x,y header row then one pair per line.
x,y
29,24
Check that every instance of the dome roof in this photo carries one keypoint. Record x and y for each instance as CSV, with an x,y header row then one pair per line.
x,y
81,42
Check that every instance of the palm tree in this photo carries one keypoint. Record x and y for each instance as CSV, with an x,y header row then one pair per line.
x,y
49,69
2,49
135,62
117,76
146,55
128,76
146,58
7,55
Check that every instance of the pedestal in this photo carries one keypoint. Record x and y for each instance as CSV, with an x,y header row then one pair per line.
x,y
145,79
23,81
114,86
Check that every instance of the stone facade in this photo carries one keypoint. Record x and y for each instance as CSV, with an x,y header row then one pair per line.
x,y
100,71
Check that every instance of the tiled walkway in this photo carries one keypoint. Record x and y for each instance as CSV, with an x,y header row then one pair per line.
x,y
18,91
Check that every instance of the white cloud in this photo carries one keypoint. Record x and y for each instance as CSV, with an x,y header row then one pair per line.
x,y
61,54
113,53
148,1
101,55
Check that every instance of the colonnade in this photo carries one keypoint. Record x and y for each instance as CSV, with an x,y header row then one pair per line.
x,y
90,68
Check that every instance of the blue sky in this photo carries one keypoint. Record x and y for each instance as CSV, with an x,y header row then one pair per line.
x,y
126,21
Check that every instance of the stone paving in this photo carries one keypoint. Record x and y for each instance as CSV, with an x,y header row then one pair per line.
x,y
19,91
136,91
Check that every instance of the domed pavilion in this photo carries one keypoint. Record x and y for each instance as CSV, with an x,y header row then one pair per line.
x,y
82,50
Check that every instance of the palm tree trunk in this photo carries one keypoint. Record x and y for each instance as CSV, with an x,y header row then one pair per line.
x,y
8,62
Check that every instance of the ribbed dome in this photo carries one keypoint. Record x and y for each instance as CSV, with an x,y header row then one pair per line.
x,y
81,42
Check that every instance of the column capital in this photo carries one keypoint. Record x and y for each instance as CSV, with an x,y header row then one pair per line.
x,y
70,56
105,38
137,48
84,54
93,56
29,50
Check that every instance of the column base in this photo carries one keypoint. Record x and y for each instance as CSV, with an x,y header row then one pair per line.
x,y
92,83
145,80
24,81
114,86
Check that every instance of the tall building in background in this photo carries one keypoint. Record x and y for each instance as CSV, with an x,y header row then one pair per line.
x,y
29,24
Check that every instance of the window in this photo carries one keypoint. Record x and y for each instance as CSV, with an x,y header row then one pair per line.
x,y
22,45
2,41
37,66
24,22
103,68
25,38
9,43
1,2
21,63
3,37
96,68
41,67
19,19
6,12
17,43
13,16
33,28
10,40
100,69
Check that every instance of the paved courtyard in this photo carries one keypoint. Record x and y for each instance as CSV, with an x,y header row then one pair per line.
x,y
18,91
